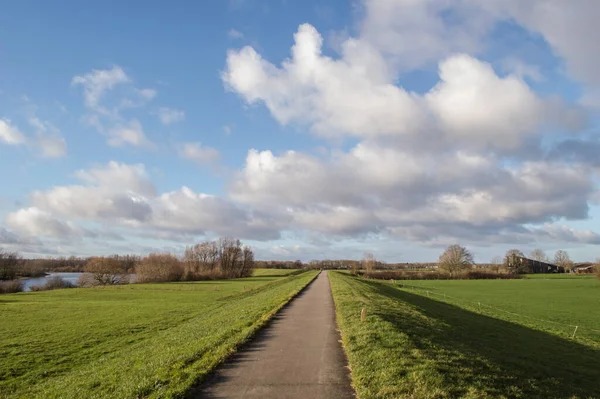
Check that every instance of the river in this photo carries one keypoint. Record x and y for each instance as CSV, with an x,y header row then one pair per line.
x,y
70,277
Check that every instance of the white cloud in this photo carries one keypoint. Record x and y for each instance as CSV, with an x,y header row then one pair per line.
x,y
129,178
52,146
521,69
356,95
10,134
131,133
412,34
35,222
473,103
169,116
122,195
199,153
97,82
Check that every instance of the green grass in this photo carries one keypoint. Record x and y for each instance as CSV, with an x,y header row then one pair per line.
x,y
414,346
554,304
275,272
561,276
146,340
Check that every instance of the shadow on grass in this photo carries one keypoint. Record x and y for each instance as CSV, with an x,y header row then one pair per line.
x,y
497,357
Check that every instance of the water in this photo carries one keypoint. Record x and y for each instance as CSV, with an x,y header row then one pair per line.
x,y
70,277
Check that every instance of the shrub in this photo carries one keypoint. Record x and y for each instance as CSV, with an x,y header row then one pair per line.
x,y
53,283
87,280
57,282
108,270
9,287
159,268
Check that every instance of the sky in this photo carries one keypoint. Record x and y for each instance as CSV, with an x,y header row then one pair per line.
x,y
310,130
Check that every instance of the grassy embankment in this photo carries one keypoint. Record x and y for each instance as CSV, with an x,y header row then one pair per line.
x,y
415,346
146,340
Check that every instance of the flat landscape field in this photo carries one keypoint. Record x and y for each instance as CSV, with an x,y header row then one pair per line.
x,y
139,340
472,338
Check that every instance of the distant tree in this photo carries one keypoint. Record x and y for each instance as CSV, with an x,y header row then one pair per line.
x,y
107,270
456,259
298,264
539,255
597,267
514,263
561,258
369,262
159,268
9,264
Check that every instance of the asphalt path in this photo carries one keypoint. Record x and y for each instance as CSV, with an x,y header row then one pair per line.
x,y
298,355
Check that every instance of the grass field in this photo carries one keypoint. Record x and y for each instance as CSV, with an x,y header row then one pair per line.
x,y
275,272
415,346
146,340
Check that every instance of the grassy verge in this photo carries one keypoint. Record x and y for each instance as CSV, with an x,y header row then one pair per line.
x,y
412,346
150,340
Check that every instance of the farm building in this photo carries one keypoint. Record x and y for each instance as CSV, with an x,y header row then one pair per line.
x,y
584,269
533,266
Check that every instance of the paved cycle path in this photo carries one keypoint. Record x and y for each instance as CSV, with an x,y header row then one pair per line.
x,y
298,355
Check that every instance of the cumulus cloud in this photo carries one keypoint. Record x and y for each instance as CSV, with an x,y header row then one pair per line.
x,y
10,134
169,116
123,196
36,222
466,159
356,95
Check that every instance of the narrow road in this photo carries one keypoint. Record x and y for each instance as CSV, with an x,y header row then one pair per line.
x,y
297,356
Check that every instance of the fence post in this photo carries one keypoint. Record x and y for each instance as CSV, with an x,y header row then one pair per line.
x,y
363,314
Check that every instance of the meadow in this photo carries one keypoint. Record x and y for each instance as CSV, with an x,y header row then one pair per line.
x,y
433,339
139,340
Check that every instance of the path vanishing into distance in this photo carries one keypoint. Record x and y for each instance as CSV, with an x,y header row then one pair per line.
x,y
298,355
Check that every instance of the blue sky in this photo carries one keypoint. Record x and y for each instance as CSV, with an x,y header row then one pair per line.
x,y
308,129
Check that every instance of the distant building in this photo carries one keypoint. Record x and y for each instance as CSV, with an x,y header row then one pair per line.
x,y
584,269
533,266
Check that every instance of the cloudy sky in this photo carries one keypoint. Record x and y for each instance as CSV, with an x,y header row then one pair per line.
x,y
309,129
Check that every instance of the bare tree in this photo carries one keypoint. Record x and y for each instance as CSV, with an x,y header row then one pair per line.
x,y
513,261
369,262
561,258
9,264
456,259
247,264
539,255
201,259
